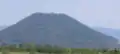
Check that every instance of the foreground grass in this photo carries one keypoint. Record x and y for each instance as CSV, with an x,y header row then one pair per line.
x,y
85,52
47,49
17,52
21,53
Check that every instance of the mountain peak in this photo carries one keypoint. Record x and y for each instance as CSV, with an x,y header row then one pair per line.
x,y
52,13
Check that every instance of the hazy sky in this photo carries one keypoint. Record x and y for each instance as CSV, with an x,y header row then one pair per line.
x,y
104,13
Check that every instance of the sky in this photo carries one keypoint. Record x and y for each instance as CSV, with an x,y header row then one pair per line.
x,y
94,13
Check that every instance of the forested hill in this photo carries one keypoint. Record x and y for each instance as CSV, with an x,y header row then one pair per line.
x,y
55,29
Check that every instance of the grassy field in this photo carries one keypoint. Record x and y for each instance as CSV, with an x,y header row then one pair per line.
x,y
46,49
21,53
62,53
17,52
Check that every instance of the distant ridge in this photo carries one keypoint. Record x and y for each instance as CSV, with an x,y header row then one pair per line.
x,y
3,27
109,31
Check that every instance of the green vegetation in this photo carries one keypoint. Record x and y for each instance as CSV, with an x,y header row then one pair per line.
x,y
39,49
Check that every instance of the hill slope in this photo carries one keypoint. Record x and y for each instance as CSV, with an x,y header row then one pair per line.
x,y
2,27
109,31
55,29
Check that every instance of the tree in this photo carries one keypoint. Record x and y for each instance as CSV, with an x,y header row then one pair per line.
x,y
32,48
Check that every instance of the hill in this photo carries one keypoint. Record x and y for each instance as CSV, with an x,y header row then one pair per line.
x,y
109,31
56,29
2,27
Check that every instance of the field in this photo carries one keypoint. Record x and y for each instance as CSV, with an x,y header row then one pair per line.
x,y
47,49
21,53
53,53
17,52
63,53
81,52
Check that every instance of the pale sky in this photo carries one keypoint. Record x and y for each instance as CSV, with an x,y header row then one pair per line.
x,y
103,13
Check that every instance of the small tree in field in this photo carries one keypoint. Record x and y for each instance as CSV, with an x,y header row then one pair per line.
x,y
69,50
32,49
